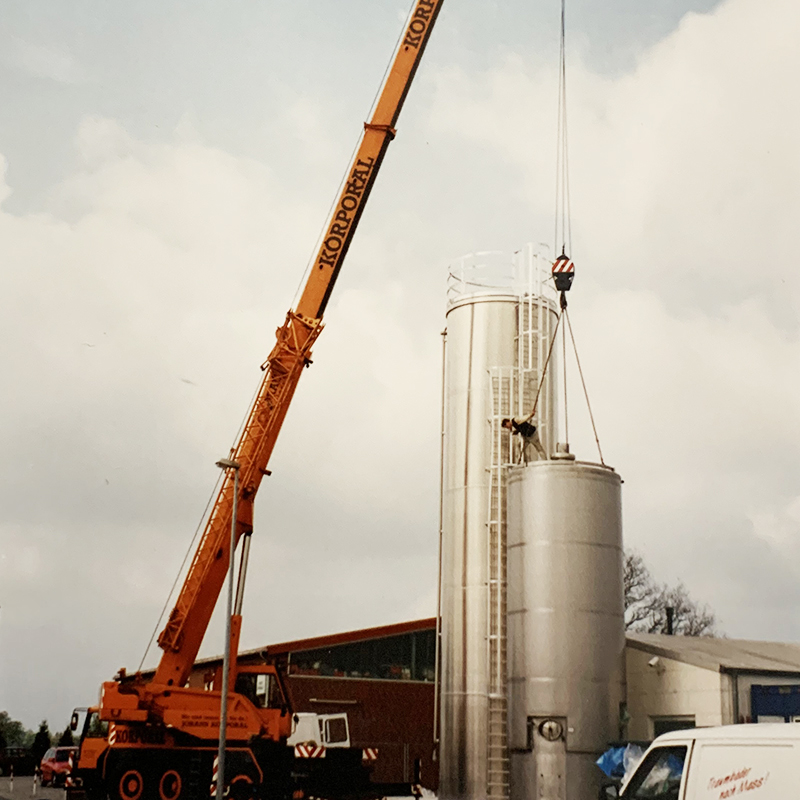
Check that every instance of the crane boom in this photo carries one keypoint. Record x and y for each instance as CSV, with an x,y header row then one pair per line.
x,y
183,634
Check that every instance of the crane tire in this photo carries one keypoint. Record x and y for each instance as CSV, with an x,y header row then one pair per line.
x,y
130,785
170,787
241,787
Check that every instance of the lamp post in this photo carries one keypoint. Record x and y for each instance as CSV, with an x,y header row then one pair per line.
x,y
226,464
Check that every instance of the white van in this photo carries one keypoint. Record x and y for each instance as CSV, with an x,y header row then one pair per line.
x,y
745,762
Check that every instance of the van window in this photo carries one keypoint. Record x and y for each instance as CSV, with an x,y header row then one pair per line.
x,y
659,775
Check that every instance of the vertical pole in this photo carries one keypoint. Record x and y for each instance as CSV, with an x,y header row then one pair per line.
x,y
226,660
437,644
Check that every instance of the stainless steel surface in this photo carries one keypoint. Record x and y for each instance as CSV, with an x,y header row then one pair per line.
x,y
480,335
565,619
491,371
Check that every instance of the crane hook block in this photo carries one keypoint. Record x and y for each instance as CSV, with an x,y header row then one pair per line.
x,y
563,273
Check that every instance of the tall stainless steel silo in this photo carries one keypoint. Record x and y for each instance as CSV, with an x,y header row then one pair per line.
x,y
565,617
500,318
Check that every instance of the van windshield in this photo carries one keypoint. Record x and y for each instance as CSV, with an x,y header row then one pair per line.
x,y
659,775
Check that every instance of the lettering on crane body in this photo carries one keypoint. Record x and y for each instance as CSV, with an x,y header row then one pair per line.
x,y
134,736
345,213
419,24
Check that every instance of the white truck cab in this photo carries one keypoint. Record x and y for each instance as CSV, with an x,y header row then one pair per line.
x,y
745,762
328,730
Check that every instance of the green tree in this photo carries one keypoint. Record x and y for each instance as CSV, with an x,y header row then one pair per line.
x,y
14,732
66,740
41,742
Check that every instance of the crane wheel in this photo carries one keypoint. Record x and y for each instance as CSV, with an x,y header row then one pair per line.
x,y
130,785
241,787
170,785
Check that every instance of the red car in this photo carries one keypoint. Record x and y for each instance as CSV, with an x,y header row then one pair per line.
x,y
54,766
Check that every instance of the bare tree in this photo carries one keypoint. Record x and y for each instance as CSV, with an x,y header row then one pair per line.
x,y
646,604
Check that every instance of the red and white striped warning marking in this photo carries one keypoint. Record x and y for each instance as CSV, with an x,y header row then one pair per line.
x,y
112,733
369,754
563,264
309,751
70,765
214,773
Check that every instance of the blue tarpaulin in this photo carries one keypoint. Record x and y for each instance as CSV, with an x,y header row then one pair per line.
x,y
617,762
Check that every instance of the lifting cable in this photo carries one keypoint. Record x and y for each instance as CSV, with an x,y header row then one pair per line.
x,y
583,383
564,367
563,223
563,268
544,371
565,315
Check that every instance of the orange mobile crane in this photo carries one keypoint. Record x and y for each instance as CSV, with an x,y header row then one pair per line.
x,y
157,738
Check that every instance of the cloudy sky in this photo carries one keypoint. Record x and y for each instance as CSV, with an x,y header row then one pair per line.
x,y
167,169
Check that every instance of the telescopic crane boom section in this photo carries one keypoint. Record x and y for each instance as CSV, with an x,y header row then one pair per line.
x,y
186,626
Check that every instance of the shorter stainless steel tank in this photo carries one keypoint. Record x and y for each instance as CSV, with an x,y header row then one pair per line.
x,y
565,625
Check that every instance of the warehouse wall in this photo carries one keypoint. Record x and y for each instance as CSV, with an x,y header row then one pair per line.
x,y
680,690
394,716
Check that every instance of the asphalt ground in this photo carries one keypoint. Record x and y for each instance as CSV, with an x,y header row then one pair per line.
x,y
23,790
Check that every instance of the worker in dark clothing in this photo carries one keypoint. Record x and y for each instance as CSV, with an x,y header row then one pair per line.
x,y
526,430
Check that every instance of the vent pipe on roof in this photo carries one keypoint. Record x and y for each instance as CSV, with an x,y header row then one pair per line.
x,y
670,621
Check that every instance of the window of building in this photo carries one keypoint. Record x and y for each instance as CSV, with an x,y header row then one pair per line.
x,y
667,724
405,657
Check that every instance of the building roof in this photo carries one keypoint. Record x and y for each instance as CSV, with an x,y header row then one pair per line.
x,y
722,655
351,636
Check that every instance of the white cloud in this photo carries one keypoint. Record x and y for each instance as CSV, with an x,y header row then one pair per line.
x,y
153,264
780,528
44,61
176,263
